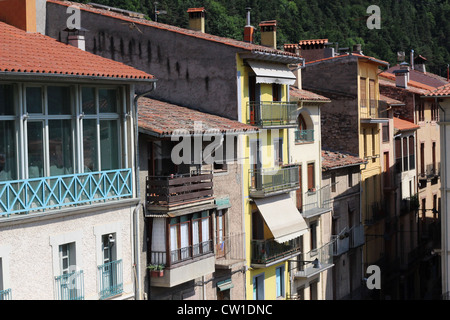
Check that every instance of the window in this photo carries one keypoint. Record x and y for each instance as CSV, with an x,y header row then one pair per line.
x,y
278,151
374,143
365,143
362,92
220,232
67,257
279,275
385,132
313,234
405,154
433,159
372,100
333,182
313,290
422,158
8,157
189,236
277,92
434,111
258,287
412,156
110,271
350,178
311,177
421,111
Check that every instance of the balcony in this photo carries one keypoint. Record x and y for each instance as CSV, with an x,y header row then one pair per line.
x,y
374,213
357,236
183,264
6,294
316,202
410,204
306,266
265,253
230,251
270,181
179,189
111,281
341,242
304,136
430,172
272,114
70,286
372,112
57,192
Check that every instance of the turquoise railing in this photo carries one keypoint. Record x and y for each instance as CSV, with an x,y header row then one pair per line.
x,y
40,194
70,286
110,277
304,135
5,294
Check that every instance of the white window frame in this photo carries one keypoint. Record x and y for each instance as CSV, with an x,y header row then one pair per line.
x,y
71,237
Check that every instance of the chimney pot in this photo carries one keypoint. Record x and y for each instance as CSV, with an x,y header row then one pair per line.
x,y
269,33
197,19
249,30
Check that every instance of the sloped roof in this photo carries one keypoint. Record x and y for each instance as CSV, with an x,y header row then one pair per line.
x,y
313,41
163,119
404,125
357,55
443,91
188,32
412,83
428,79
306,95
336,159
390,101
33,53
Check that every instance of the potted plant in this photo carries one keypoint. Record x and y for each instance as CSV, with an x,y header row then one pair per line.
x,y
156,270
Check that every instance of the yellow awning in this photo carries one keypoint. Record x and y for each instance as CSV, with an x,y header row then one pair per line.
x,y
282,217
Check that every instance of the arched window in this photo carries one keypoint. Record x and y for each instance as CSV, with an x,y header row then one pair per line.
x,y
301,123
304,133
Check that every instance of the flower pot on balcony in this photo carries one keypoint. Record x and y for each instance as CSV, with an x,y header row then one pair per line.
x,y
157,273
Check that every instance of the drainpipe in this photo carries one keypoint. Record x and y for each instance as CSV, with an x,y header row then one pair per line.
x,y
444,235
136,228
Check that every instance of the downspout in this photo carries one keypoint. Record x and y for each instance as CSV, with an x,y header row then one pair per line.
x,y
444,235
136,226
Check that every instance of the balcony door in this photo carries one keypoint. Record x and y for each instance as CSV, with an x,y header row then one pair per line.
x,y
254,94
255,163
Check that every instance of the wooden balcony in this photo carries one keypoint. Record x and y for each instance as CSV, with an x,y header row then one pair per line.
x,y
175,190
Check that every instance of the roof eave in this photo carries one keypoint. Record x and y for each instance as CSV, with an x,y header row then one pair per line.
x,y
32,76
271,57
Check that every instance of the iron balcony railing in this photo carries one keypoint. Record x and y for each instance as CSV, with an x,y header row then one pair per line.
x,y
110,277
42,194
316,201
303,136
271,180
167,190
266,114
230,248
70,286
267,251
181,254
6,294
312,262
430,171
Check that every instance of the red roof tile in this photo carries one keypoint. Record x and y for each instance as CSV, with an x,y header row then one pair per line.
x,y
188,32
164,118
22,52
404,125
313,41
305,95
360,56
383,81
428,79
335,160
442,91
413,83
390,101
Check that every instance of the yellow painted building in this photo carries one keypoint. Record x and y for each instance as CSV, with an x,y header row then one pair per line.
x,y
272,223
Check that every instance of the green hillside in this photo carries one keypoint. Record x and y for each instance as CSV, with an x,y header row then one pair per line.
x,y
419,25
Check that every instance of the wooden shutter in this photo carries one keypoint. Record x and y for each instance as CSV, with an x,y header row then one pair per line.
x,y
311,182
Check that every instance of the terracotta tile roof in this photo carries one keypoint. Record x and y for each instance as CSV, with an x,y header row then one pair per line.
x,y
383,81
390,101
404,125
336,159
442,91
306,95
22,52
313,41
428,79
192,33
201,9
360,56
163,118
413,83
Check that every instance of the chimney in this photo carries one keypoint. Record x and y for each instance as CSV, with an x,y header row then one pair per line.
x,y
357,48
419,64
197,19
297,71
269,33
76,38
402,75
19,13
249,30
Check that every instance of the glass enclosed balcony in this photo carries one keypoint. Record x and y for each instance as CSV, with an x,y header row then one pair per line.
x,y
272,114
270,181
56,192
